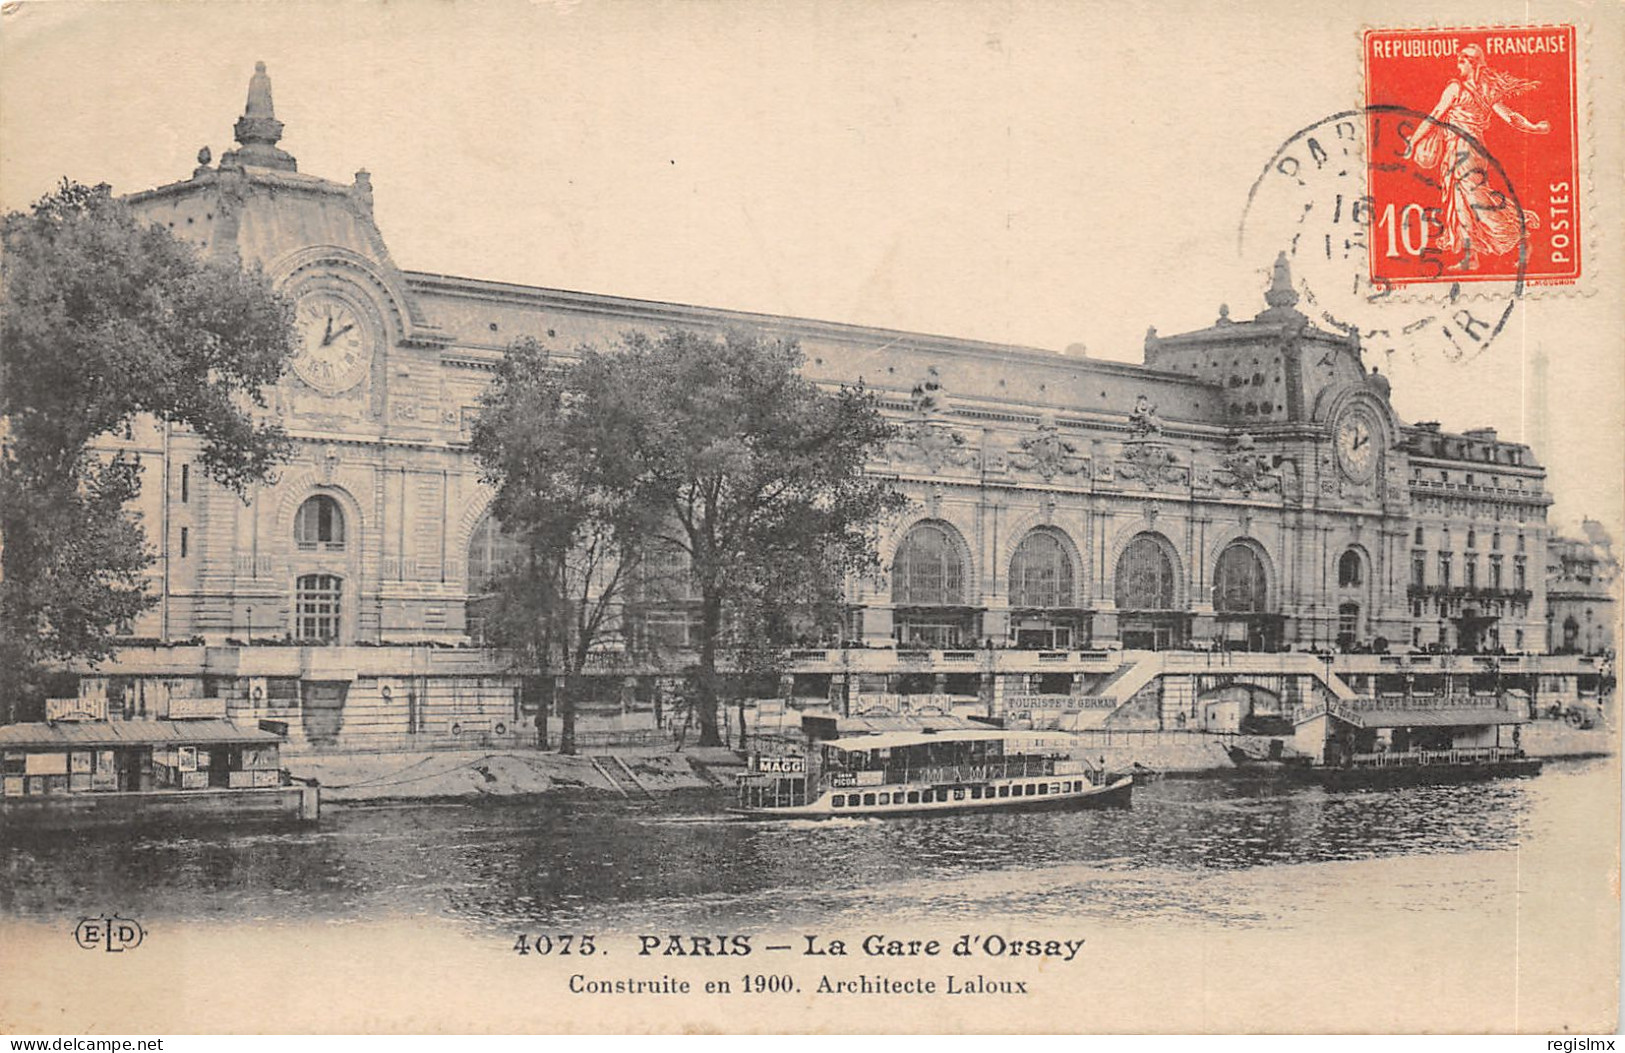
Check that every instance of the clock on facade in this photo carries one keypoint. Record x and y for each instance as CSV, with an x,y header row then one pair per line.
x,y
335,343
1356,437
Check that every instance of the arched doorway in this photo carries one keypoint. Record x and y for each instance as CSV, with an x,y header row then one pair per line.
x,y
1146,591
929,590
1043,584
1353,588
1241,600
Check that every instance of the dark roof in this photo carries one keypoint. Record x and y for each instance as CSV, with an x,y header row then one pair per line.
x,y
1449,716
93,734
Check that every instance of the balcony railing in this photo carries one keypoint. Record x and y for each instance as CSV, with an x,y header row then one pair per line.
x,y
1463,592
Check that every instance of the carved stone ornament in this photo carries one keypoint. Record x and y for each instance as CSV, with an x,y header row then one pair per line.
x,y
1152,464
1143,418
1243,469
1047,453
330,461
931,444
929,398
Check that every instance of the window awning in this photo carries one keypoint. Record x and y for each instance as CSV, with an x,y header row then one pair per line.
x,y
114,733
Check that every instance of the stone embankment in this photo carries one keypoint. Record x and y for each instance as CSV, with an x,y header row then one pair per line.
x,y
643,773
511,773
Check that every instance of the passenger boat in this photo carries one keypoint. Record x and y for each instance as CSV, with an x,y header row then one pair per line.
x,y
927,773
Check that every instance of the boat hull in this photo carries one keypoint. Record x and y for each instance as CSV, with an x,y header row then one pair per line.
x,y
1415,774
183,807
1116,794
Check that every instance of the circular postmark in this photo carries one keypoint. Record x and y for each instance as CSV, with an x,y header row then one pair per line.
x,y
1386,215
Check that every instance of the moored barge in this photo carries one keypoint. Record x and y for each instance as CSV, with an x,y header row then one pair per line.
x,y
70,775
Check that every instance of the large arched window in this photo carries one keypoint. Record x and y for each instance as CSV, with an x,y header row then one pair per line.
x,y
1238,582
319,525
317,607
928,570
1041,572
1350,569
1145,576
491,550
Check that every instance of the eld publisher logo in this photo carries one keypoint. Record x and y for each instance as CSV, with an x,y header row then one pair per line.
x,y
114,934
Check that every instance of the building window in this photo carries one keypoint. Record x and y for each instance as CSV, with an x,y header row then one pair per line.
x,y
1418,569
1444,570
491,550
1348,623
1519,578
1145,577
668,617
1520,542
183,542
1350,569
1469,569
1472,539
1238,582
1495,539
1495,572
319,524
928,570
1041,572
316,607
1419,535
186,483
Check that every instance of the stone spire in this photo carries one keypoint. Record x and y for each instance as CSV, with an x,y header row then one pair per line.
x,y
258,129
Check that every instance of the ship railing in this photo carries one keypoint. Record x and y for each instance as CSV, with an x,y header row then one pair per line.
x,y
1416,758
1001,768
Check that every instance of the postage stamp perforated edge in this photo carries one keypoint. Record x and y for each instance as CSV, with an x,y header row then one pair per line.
x,y
1584,286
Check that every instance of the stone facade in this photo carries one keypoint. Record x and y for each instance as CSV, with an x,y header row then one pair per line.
x,y
1249,487
1266,433
1582,583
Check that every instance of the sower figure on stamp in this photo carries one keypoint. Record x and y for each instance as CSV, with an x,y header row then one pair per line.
x,y
1478,219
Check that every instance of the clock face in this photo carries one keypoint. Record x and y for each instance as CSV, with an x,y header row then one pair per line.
x,y
1356,439
335,343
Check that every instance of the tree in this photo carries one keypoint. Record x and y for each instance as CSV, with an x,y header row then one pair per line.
x,y
749,469
576,539
107,318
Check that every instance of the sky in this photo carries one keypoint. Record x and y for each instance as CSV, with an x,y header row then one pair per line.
x,y
1057,175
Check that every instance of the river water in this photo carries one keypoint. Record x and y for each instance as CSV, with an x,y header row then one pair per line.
x,y
679,865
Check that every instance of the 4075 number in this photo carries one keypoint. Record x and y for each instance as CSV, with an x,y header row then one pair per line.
x,y
555,944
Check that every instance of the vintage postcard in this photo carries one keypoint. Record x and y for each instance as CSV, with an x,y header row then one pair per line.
x,y
811,517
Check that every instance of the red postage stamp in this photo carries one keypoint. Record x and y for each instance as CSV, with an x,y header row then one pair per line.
x,y
1473,155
